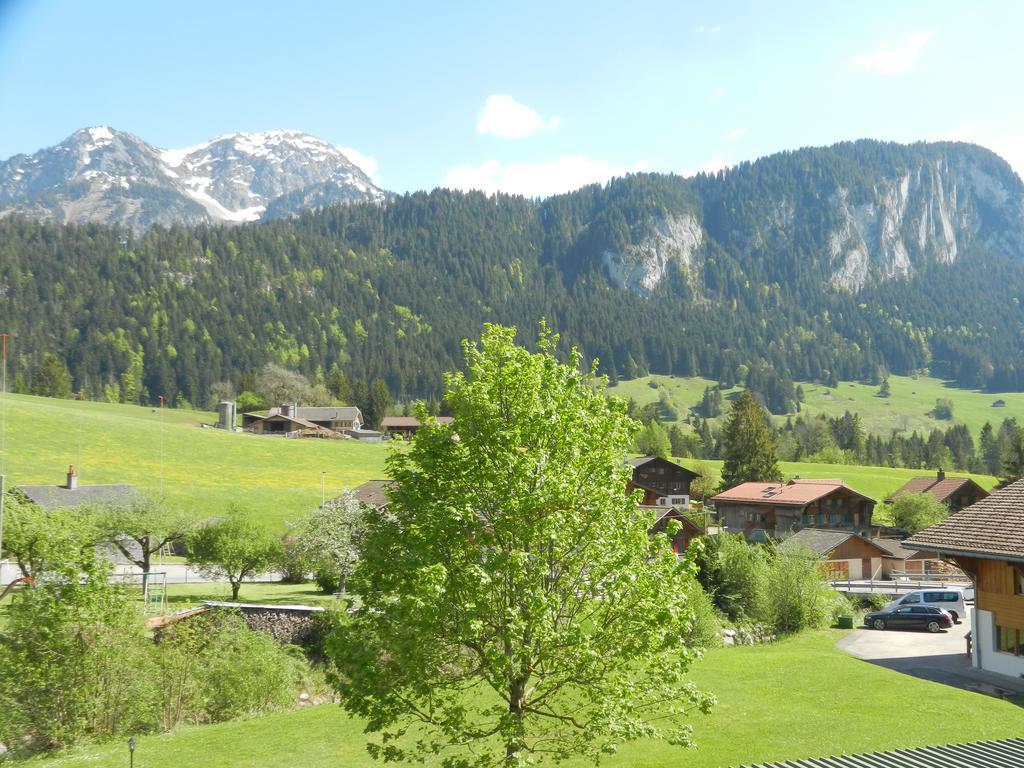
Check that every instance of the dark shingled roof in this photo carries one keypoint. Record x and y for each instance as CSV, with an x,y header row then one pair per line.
x,y
392,422
940,489
644,460
373,492
992,528
56,496
1007,753
820,540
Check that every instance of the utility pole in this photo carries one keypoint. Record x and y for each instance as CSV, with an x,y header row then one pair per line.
x,y
3,449
323,487
161,444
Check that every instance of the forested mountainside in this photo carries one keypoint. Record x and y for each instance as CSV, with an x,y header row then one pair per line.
x,y
818,264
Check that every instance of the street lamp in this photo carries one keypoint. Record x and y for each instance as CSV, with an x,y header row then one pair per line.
x,y
323,487
131,752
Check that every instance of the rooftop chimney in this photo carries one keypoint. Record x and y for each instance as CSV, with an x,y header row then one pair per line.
x,y
72,478
940,475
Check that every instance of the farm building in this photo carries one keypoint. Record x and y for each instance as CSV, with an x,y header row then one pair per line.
x,y
662,482
846,555
71,494
954,492
310,421
407,426
986,540
763,511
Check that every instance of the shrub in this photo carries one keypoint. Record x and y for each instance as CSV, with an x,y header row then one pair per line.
x,y
214,668
706,631
328,580
800,597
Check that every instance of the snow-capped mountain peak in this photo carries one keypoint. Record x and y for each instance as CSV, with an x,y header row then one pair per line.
x,y
100,174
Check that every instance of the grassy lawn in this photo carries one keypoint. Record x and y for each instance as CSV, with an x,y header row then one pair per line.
x,y
795,699
181,596
203,470
908,407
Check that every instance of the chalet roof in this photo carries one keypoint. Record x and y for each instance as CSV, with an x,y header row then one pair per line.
x,y
60,496
990,528
893,548
373,492
1005,753
940,487
392,422
327,413
820,540
660,513
643,461
795,493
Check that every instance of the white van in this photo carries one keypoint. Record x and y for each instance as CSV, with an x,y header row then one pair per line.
x,y
949,599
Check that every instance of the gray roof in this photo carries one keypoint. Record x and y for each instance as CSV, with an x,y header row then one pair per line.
x,y
990,528
329,413
820,540
373,492
1007,753
56,496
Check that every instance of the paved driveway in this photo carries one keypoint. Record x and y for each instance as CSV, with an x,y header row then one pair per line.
x,y
941,657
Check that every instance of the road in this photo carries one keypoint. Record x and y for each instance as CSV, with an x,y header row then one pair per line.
x,y
175,573
940,657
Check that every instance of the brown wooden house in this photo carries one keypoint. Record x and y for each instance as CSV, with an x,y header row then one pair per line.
x,y
662,515
987,541
662,482
954,492
763,511
846,555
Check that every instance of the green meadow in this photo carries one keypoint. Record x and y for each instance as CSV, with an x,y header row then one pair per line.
x,y
908,407
168,452
205,470
797,698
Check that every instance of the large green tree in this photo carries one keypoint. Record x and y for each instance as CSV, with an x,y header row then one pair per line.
x,y
51,378
329,538
914,511
37,539
515,607
749,451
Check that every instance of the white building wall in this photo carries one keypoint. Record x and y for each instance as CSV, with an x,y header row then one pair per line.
x,y
984,625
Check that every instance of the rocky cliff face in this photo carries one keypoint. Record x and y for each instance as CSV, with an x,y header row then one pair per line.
x,y
112,177
642,266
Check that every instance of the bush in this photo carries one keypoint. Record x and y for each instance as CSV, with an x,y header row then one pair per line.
x,y
800,597
328,580
706,631
214,668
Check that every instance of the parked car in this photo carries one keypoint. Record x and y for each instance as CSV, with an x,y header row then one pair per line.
x,y
910,617
951,600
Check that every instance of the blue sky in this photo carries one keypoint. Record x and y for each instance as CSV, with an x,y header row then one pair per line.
x,y
529,97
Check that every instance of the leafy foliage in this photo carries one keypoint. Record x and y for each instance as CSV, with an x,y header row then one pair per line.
x,y
329,540
914,511
499,624
234,548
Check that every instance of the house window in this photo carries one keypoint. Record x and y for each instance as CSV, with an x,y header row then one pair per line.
x,y
1018,580
1009,639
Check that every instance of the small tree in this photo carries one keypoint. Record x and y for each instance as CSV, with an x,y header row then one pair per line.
x,y
515,607
883,388
140,530
747,444
51,378
330,537
234,548
914,511
943,408
37,539
653,441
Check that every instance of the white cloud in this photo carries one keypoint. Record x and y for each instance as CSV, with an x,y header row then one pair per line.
x,y
736,133
894,58
542,179
505,117
365,163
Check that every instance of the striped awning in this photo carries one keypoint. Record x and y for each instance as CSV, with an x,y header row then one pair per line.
x,y
1008,753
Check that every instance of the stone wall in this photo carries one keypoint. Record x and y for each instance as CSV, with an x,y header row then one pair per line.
x,y
294,624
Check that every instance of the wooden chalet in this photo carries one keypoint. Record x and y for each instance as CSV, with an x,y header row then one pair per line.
x,y
986,540
661,517
846,555
763,511
406,426
662,482
955,492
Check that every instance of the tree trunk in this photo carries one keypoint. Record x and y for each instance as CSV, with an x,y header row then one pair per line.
x,y
515,742
145,574
341,583
235,586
